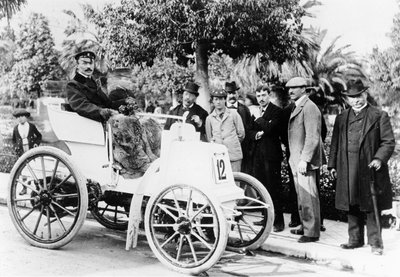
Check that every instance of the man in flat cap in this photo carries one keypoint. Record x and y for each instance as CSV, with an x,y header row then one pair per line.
x,y
306,157
232,102
84,95
225,126
193,113
362,143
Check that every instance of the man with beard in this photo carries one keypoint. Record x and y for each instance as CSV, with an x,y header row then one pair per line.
x,y
362,143
83,93
232,103
193,113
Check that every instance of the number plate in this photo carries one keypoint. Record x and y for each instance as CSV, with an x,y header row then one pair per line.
x,y
220,165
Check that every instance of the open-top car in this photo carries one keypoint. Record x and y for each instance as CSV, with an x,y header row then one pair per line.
x,y
190,203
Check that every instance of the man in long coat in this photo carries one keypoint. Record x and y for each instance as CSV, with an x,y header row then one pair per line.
x,y
362,143
84,95
265,135
194,114
306,157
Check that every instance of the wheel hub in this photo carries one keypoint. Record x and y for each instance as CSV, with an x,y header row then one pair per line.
x,y
184,225
45,198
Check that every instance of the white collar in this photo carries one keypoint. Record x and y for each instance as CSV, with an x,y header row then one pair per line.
x,y
84,75
233,105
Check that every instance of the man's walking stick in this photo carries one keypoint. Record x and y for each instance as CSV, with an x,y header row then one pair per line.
x,y
375,202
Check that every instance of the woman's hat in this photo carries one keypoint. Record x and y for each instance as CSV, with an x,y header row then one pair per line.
x,y
21,112
354,88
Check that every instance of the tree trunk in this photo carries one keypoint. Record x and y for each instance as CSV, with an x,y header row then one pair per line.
x,y
201,75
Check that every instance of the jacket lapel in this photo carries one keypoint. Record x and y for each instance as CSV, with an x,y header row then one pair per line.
x,y
299,107
371,117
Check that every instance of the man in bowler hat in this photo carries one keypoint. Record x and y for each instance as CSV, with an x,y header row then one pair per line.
x,y
232,102
193,113
362,143
84,95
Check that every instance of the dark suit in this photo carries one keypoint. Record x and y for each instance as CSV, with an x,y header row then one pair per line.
x,y
268,155
86,98
245,114
34,138
194,110
375,141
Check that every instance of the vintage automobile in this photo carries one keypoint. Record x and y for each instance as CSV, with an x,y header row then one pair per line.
x,y
190,203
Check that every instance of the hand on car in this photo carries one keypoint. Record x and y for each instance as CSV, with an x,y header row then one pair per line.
x,y
107,113
302,167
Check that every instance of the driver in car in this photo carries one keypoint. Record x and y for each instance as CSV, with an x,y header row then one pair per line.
x,y
84,95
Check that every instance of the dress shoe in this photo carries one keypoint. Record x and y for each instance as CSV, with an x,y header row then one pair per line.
x,y
304,239
322,228
293,224
279,228
351,245
297,232
377,250
23,191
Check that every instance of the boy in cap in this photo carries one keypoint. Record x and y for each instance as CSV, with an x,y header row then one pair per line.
x,y
193,113
84,95
25,135
225,126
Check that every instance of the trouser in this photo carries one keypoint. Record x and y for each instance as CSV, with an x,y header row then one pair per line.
x,y
308,201
356,222
236,165
269,174
293,207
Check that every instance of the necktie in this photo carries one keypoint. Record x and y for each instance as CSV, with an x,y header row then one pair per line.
x,y
221,115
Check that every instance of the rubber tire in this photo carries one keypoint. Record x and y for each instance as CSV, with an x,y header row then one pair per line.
x,y
259,187
219,250
83,205
106,223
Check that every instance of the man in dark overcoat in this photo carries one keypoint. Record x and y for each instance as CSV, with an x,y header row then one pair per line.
x,y
265,135
362,143
232,102
193,113
84,95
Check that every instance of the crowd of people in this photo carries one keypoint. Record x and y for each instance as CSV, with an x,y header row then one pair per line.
x,y
254,134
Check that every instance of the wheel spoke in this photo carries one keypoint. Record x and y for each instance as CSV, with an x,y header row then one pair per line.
x,y
189,202
188,238
164,225
38,221
24,199
62,182
240,232
169,239
48,221
58,219
202,240
178,255
176,203
32,173
32,209
61,207
43,173
71,195
28,186
205,225
249,225
54,172
164,208
105,209
198,212
115,214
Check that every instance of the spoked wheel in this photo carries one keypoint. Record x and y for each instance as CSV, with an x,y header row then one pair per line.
x,y
172,220
47,197
253,226
111,215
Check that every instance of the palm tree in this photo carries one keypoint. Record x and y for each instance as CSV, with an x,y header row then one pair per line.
x,y
9,7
